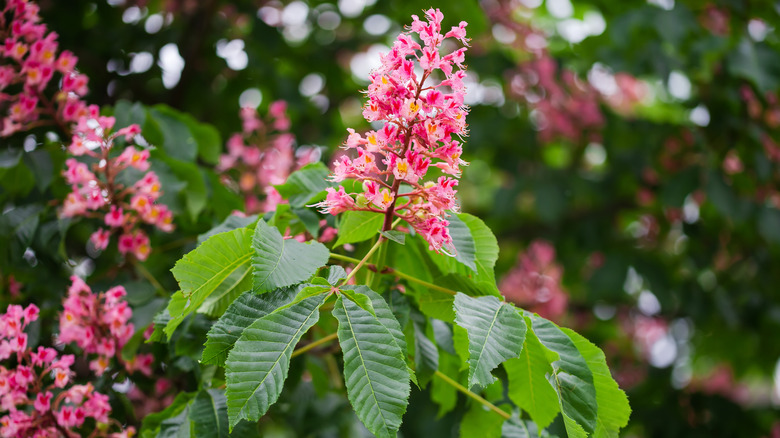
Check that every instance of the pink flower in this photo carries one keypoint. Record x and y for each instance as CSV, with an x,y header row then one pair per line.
x,y
43,401
43,356
115,217
336,201
421,119
126,243
100,239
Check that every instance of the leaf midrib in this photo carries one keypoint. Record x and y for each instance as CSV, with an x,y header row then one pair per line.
x,y
276,265
365,368
276,362
487,336
234,265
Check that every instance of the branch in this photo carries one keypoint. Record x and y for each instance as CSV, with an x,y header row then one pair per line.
x,y
392,271
314,344
474,396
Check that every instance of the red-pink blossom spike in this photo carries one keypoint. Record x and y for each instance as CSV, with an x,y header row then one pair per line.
x,y
417,93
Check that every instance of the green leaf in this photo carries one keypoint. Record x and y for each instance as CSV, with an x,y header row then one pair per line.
x,y
245,310
495,334
208,414
229,224
383,313
357,226
613,408
571,378
178,141
40,162
528,385
485,253
208,139
335,274
375,371
178,426
152,422
258,363
480,422
394,235
280,262
220,266
464,243
437,305
304,184
444,394
426,354
515,428
360,299
194,194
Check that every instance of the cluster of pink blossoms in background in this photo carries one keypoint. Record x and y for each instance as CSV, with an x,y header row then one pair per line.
x,y
30,61
37,394
98,324
535,282
564,105
97,193
263,155
422,115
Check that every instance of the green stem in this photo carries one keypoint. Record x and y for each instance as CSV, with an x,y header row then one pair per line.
x,y
408,277
344,258
148,275
437,373
373,278
368,255
314,344
392,271
476,397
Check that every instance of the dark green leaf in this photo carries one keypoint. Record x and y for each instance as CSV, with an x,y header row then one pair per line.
x,y
375,372
357,226
245,310
571,378
279,262
257,365
304,184
495,334
220,266
613,408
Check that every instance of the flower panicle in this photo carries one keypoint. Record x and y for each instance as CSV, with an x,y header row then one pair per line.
x,y
96,192
418,95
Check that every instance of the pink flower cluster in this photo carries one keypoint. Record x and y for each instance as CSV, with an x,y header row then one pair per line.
x,y
566,109
564,106
263,155
37,394
535,282
424,115
98,324
30,61
98,194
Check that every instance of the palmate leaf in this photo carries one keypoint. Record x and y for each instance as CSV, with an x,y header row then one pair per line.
x,y
245,310
571,378
495,334
218,267
280,262
528,385
257,365
613,407
375,371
